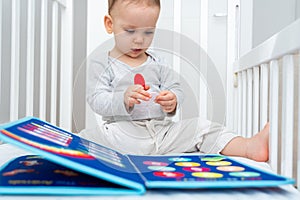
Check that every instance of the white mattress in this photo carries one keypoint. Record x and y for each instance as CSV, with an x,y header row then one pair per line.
x,y
7,152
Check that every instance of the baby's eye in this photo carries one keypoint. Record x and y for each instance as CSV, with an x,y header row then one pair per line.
x,y
149,32
129,30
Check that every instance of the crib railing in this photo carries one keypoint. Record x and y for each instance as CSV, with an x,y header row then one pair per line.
x,y
36,60
267,89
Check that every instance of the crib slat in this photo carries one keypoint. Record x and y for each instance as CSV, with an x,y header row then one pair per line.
x,y
235,104
297,120
53,111
62,2
43,59
177,28
0,53
66,103
287,115
264,94
244,103
298,142
30,57
249,102
274,102
15,60
204,44
255,116
240,103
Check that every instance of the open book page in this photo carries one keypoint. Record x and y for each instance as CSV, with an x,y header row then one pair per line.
x,y
33,170
68,149
202,171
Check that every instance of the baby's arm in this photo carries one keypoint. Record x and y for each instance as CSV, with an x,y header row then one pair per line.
x,y
103,98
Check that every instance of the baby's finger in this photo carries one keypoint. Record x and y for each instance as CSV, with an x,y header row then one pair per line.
x,y
147,87
133,101
145,93
165,98
168,108
166,103
141,96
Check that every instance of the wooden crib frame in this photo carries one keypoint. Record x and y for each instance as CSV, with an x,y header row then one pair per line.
x,y
267,88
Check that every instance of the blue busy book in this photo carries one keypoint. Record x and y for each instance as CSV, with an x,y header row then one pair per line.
x,y
66,164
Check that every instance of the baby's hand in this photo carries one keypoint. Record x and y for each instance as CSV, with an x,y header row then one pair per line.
x,y
167,100
134,94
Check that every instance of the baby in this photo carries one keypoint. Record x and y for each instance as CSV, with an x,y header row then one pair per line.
x,y
131,124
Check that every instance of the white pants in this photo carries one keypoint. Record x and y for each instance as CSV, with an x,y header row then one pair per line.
x,y
161,136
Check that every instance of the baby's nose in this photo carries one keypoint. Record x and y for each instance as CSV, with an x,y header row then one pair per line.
x,y
138,39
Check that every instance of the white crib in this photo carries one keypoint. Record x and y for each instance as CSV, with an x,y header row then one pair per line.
x,y
36,60
267,88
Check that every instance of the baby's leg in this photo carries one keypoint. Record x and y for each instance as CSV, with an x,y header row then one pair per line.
x,y
255,148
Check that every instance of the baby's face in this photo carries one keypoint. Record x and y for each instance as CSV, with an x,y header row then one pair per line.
x,y
134,26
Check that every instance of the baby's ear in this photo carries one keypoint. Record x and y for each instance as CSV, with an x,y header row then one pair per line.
x,y
108,23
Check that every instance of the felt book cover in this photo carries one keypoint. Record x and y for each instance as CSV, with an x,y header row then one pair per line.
x,y
66,164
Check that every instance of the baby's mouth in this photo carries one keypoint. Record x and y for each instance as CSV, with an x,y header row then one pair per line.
x,y
136,50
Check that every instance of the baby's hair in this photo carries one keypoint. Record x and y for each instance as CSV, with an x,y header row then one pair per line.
x,y
111,3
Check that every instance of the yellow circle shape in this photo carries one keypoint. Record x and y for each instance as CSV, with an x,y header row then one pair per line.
x,y
219,163
207,175
187,164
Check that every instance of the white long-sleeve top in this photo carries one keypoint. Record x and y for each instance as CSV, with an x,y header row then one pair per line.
x,y
108,79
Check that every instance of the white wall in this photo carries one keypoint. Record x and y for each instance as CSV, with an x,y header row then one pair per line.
x,y
246,26
260,19
270,16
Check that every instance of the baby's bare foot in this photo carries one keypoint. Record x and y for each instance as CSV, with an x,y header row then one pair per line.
x,y
258,145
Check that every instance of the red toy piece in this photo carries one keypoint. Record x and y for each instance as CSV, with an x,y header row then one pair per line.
x,y
139,79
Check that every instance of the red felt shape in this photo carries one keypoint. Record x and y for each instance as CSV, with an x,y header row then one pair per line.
x,y
139,79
